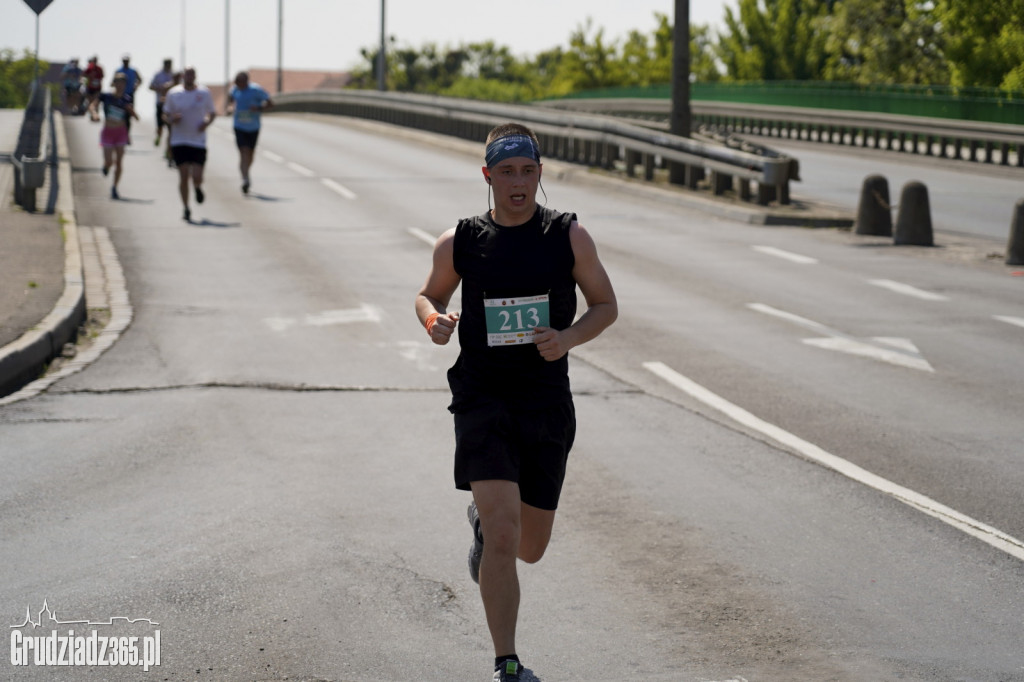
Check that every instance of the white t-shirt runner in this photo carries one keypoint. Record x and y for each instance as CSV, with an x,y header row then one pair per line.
x,y
194,106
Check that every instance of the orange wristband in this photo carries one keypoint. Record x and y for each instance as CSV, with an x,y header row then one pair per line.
x,y
430,322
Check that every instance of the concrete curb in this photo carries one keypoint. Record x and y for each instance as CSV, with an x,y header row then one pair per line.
x,y
25,358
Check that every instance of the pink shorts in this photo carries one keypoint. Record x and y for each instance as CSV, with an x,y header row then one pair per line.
x,y
114,137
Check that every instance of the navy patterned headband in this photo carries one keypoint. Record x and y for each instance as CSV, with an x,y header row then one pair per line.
x,y
511,146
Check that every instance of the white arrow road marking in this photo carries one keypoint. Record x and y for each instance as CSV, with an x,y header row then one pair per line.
x,y
992,536
418,353
1019,321
907,290
364,313
339,188
787,255
895,351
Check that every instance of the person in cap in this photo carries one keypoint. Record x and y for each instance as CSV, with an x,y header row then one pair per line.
x,y
93,76
71,80
132,81
163,80
519,266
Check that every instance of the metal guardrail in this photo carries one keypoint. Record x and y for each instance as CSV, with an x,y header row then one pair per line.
x,y
31,155
991,143
592,139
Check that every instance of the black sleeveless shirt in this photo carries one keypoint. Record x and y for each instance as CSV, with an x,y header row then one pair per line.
x,y
496,261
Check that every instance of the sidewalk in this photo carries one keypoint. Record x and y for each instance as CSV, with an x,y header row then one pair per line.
x,y
42,299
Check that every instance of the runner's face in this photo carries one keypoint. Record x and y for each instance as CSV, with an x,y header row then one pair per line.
x,y
514,182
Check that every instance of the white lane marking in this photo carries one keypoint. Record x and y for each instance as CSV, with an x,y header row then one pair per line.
x,y
907,290
273,157
364,313
301,170
895,351
339,188
1019,321
787,255
423,235
991,536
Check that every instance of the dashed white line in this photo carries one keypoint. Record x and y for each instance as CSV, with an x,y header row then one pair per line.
x,y
1019,321
786,255
966,524
272,156
907,290
339,188
301,170
422,235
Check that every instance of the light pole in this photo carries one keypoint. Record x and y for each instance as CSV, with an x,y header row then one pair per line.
x,y
680,118
280,40
227,46
37,6
381,58
183,65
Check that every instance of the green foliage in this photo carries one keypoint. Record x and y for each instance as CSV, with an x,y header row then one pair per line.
x,y
984,42
891,42
16,74
884,41
774,40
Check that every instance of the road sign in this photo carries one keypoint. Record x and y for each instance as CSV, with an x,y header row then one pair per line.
x,y
38,5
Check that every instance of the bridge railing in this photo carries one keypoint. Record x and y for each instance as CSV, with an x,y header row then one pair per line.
x,y
32,155
594,140
990,143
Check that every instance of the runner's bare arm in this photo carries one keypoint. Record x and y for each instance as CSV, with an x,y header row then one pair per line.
x,y
437,291
596,287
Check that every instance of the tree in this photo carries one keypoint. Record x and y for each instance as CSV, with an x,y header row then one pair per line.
x,y
16,75
774,40
884,41
984,42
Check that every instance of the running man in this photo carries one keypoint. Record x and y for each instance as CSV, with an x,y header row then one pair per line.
x,y
519,266
71,80
132,81
246,101
189,111
117,111
162,81
93,80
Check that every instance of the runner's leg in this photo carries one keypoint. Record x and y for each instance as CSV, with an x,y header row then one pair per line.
x,y
500,523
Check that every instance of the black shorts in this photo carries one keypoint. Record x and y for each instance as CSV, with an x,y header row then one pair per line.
x,y
184,153
246,138
529,447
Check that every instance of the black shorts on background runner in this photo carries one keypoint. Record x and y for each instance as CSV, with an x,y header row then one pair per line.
x,y
184,153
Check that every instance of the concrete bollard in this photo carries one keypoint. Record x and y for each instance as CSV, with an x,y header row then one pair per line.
x,y
874,212
914,218
1015,249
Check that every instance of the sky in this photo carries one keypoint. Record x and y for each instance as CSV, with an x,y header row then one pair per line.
x,y
317,34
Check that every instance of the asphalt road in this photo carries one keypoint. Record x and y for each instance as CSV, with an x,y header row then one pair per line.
x,y
799,454
965,198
